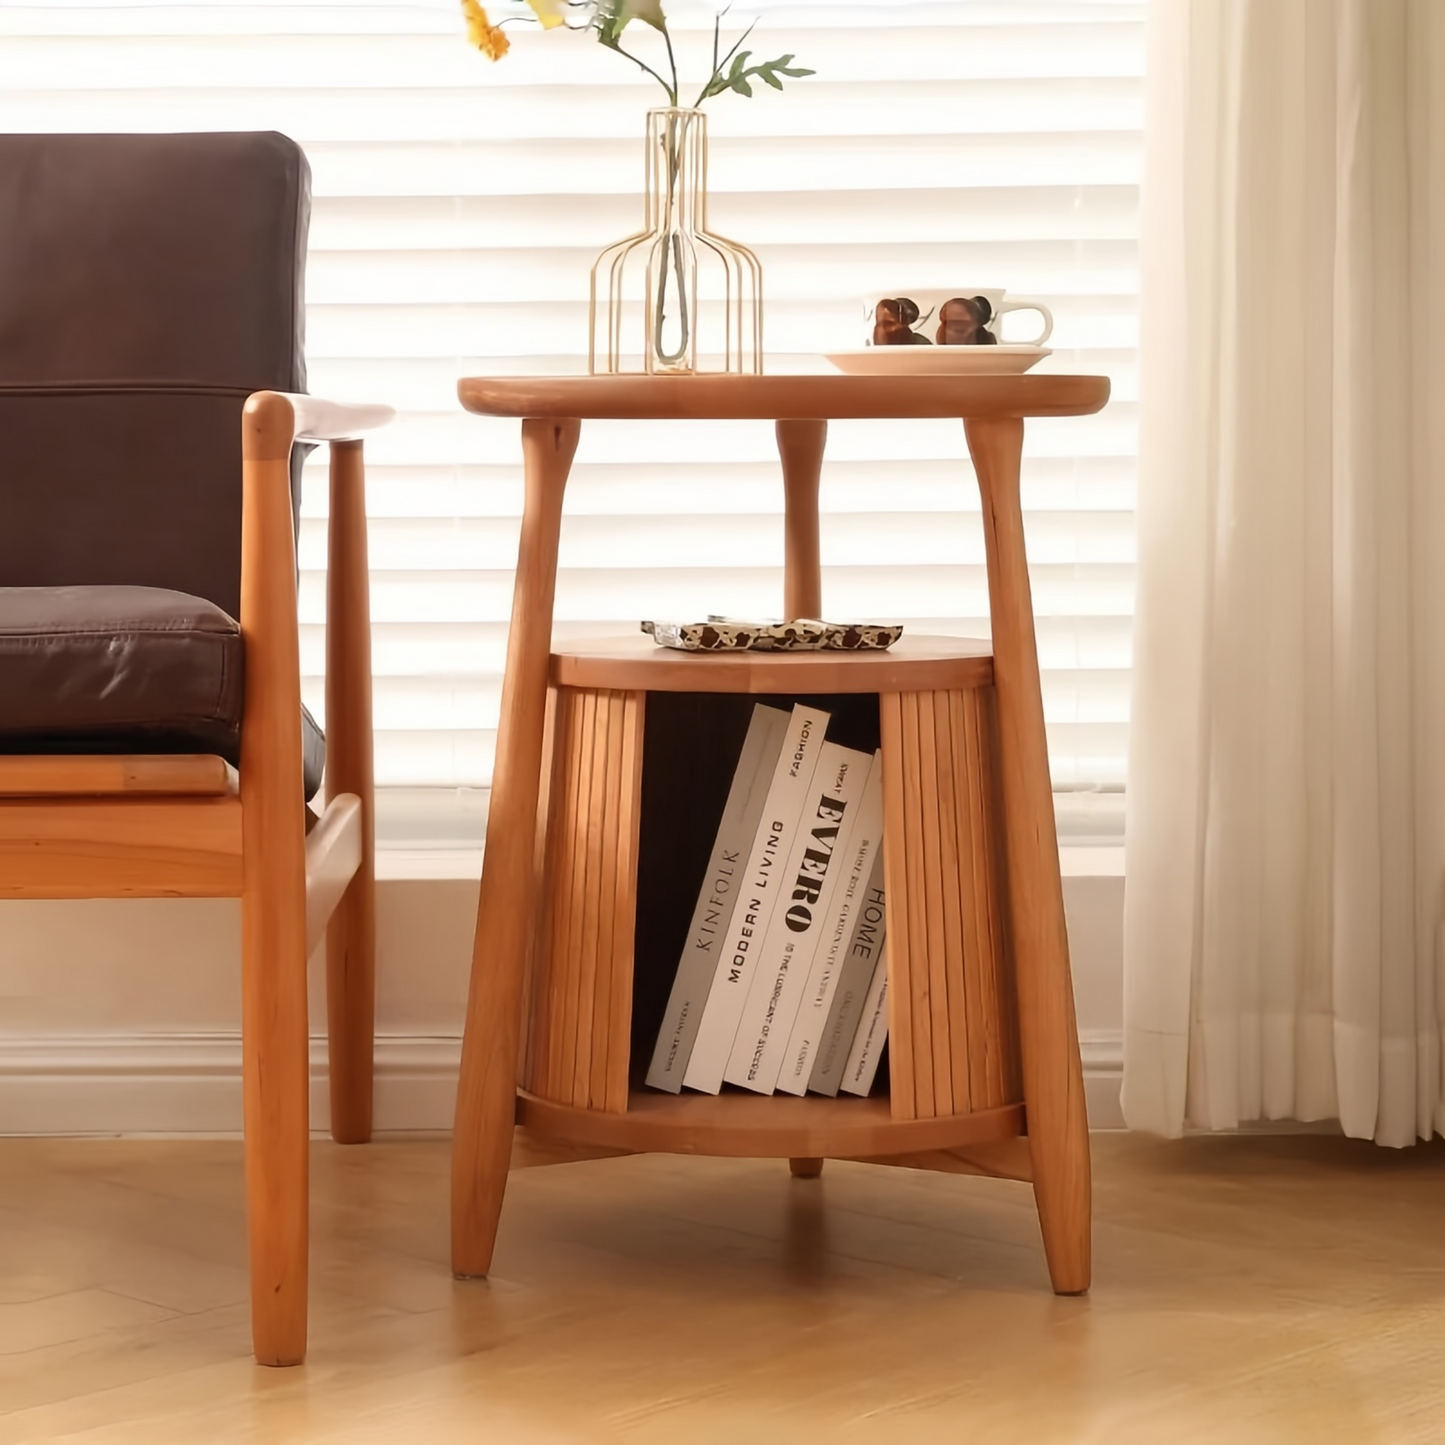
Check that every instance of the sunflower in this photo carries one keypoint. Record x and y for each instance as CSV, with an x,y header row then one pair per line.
x,y
488,38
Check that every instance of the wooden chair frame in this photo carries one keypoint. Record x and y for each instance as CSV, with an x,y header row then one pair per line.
x,y
187,827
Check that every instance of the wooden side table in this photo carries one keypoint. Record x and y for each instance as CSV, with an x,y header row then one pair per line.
x,y
956,725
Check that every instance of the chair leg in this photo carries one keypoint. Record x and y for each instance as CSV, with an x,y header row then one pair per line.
x,y
276,1084
351,1007
351,933
273,893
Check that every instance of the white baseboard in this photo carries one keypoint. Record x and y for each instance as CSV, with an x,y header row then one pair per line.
x,y
1103,1054
191,1083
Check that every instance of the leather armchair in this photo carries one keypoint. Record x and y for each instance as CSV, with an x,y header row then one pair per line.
x,y
152,737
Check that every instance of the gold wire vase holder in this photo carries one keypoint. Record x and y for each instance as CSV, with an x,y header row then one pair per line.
x,y
676,298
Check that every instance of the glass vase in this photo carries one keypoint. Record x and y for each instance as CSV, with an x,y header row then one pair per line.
x,y
676,298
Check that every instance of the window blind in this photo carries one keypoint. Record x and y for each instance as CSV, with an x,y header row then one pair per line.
x,y
458,206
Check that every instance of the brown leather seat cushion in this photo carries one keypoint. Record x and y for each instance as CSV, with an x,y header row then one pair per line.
x,y
125,669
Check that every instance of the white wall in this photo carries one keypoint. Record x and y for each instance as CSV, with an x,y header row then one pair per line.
x,y
124,1017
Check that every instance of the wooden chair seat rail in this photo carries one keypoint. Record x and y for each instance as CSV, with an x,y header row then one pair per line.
x,y
333,854
125,774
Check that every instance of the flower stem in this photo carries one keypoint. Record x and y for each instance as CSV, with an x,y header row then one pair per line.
x,y
718,66
672,61
642,64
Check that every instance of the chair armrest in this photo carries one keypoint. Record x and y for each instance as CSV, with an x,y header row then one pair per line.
x,y
274,420
318,420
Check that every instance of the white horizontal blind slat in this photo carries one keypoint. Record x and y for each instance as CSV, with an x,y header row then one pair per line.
x,y
458,206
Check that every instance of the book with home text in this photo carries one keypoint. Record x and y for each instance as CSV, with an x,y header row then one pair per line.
x,y
860,961
850,891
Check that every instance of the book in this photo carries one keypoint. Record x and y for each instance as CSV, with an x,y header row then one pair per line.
x,y
854,977
850,890
862,1065
717,897
799,918
760,885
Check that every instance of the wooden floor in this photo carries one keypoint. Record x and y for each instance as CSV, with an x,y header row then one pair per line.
x,y
1246,1289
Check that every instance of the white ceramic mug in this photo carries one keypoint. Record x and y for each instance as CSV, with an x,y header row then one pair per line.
x,y
944,318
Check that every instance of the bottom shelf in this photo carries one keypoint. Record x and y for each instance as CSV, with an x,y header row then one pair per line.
x,y
756,1126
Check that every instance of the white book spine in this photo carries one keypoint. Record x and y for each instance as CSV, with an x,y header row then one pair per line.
x,y
851,991
761,884
872,1032
850,890
799,918
708,930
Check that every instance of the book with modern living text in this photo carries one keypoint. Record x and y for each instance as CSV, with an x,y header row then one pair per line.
x,y
718,896
759,887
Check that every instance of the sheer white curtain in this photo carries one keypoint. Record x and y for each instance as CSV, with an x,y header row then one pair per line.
x,y
1286,792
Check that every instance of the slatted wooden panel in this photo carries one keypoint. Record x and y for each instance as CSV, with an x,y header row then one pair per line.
x,y
952,1030
554,718
580,1004
993,888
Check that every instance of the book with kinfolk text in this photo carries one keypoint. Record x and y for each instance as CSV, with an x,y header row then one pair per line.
x,y
717,898
760,886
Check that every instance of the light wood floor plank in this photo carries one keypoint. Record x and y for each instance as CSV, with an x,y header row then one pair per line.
x,y
1247,1290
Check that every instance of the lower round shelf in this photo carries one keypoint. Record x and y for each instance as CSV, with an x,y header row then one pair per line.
x,y
754,1126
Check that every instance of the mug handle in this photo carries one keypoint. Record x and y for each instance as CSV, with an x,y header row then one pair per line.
x,y
1038,306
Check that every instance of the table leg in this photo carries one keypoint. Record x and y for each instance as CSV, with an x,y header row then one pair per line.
x,y
1053,1078
486,1092
800,445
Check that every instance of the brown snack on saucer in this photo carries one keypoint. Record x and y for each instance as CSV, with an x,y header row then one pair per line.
x,y
963,321
893,319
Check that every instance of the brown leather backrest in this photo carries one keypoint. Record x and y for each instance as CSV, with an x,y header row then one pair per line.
x,y
148,285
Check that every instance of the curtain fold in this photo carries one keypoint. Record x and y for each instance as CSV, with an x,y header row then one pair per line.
x,y
1286,797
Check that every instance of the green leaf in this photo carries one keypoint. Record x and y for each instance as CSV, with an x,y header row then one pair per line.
x,y
739,73
611,17
608,22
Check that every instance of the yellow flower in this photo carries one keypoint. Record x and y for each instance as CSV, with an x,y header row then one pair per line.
x,y
488,38
549,12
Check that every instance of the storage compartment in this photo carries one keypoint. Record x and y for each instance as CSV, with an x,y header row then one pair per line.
x,y
692,745
635,783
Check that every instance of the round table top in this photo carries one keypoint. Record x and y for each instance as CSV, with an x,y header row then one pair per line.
x,y
782,398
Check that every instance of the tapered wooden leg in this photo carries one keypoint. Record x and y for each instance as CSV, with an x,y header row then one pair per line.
x,y
486,1093
273,898
351,933
1052,1074
805,1168
800,445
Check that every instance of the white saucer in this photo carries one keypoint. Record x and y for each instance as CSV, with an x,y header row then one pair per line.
x,y
938,360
